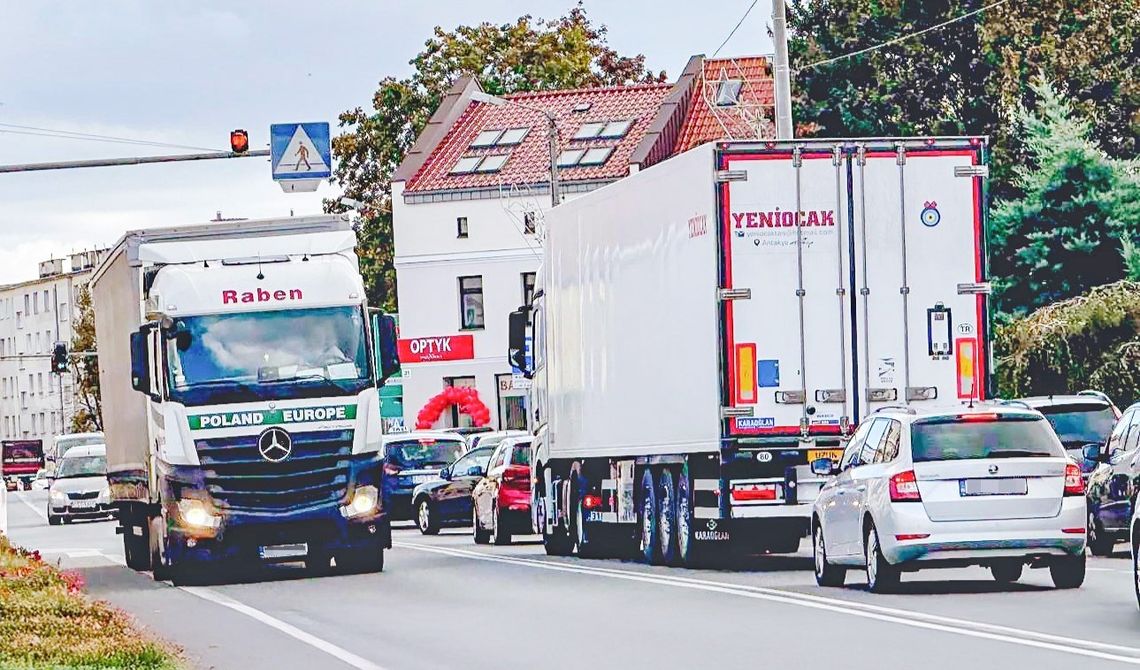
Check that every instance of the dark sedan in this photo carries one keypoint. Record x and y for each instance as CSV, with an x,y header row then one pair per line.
x,y
447,501
410,459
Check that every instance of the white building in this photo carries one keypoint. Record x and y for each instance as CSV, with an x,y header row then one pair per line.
x,y
468,204
35,403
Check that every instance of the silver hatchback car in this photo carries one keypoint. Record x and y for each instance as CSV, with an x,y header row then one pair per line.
x,y
923,488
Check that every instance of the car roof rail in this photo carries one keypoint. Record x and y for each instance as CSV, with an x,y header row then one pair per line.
x,y
906,409
1015,403
1096,394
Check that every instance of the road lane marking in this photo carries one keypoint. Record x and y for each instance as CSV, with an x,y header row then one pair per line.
x,y
1100,650
39,512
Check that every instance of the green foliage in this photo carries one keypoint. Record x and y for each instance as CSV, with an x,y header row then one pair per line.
x,y
1131,253
85,369
527,55
1091,341
1075,210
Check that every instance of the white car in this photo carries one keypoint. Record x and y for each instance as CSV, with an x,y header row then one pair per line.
x,y
921,488
1134,540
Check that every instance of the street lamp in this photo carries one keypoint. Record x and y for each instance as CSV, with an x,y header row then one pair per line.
x,y
551,135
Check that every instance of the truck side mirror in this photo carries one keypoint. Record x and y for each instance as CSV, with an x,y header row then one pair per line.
x,y
387,352
140,360
516,347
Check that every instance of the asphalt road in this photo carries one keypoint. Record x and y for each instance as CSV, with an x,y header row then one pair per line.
x,y
443,602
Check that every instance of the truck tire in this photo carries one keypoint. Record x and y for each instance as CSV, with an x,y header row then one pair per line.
x,y
689,553
364,559
481,536
667,517
136,548
156,542
648,513
555,541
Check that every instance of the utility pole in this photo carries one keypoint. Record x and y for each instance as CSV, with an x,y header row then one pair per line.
x,y
784,130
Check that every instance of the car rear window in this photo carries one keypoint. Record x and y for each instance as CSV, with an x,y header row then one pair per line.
x,y
423,453
521,454
1078,425
954,439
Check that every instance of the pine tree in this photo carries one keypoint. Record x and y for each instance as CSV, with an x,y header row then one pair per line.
x,y
1074,212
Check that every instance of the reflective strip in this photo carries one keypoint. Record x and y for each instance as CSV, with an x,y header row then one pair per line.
x,y
765,480
771,511
706,484
706,513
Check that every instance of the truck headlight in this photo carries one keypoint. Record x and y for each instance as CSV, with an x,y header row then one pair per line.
x,y
364,501
194,513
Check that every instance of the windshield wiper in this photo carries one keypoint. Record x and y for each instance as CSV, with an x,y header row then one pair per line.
x,y
306,378
215,382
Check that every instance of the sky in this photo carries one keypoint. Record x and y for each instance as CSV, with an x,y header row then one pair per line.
x,y
187,72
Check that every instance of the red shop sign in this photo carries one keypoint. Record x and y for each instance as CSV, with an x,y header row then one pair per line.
x,y
445,348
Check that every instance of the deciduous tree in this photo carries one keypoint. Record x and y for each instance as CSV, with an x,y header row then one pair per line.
x,y
85,369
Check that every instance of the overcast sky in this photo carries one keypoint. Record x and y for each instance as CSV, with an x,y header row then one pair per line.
x,y
188,72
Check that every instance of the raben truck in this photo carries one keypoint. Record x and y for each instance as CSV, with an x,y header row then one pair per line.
x,y
705,329
240,397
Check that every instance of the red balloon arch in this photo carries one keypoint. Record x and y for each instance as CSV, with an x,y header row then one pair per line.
x,y
469,403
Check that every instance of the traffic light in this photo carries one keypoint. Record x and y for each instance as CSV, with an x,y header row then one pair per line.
x,y
239,141
59,362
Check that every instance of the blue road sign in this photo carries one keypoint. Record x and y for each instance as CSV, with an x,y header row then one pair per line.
x,y
528,356
300,151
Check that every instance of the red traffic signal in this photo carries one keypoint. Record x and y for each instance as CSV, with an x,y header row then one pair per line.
x,y
239,141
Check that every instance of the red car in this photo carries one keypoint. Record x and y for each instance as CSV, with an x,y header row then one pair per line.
x,y
502,497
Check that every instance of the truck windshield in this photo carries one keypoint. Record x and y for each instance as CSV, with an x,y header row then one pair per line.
x,y
268,355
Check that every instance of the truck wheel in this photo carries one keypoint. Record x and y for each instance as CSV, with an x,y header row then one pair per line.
x,y
667,521
555,541
160,569
687,550
361,560
481,536
1068,572
500,532
136,548
425,518
648,515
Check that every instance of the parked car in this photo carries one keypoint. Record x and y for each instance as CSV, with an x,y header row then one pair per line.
x,y
1112,486
1079,421
411,459
446,501
469,430
929,488
502,497
492,439
79,489
42,482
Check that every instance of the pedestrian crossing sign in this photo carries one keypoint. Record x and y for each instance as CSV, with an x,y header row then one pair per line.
x,y
300,152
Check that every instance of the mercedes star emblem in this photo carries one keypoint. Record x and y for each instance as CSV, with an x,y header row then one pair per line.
x,y
275,445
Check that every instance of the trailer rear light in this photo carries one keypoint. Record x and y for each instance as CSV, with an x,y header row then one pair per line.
x,y
904,487
746,374
966,351
753,492
1074,485
591,501
912,536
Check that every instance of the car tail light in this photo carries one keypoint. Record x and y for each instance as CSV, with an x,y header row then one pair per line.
x,y
591,501
1074,486
391,469
516,474
904,487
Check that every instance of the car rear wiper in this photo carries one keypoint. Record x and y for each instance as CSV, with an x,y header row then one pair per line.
x,y
1017,453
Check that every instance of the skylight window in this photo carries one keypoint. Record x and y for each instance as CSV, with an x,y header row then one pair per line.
x,y
512,136
728,92
487,138
614,130
492,163
596,156
570,157
589,131
582,107
466,165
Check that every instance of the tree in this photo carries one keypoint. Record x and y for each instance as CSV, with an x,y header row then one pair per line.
x,y
1074,216
85,369
527,55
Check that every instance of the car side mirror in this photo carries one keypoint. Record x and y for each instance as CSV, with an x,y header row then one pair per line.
x,y
445,473
1092,452
476,471
824,467
516,341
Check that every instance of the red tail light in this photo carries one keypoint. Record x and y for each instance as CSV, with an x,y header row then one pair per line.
x,y
516,475
904,487
912,536
1073,484
754,492
391,469
591,501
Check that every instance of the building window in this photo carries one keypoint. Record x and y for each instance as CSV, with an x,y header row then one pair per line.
x,y
63,311
529,219
728,92
27,304
528,288
471,302
47,302
40,382
461,227
36,303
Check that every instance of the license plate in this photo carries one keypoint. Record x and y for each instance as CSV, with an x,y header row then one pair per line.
x,y
835,455
277,551
1005,486
420,479
82,504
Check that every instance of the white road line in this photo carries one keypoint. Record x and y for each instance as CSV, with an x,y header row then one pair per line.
x,y
39,512
909,618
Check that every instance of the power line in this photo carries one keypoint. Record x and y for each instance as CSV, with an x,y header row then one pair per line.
x,y
738,24
902,37
75,135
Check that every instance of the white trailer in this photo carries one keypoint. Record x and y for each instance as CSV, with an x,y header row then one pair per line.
x,y
705,329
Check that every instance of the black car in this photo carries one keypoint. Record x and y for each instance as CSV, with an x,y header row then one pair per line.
x,y
1113,485
1081,421
447,501
410,459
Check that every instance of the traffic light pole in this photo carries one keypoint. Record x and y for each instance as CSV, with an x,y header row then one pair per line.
x,y
136,160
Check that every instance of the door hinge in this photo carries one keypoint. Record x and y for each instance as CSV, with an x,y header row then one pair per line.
x,y
731,412
726,294
982,171
731,175
975,288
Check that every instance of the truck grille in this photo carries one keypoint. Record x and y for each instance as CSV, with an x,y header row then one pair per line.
x,y
314,474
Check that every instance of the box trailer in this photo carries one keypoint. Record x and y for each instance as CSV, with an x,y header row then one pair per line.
x,y
706,328
239,400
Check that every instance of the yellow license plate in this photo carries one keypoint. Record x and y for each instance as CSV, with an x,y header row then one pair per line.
x,y
835,455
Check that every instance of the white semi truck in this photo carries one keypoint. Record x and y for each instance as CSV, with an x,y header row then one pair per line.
x,y
705,329
240,406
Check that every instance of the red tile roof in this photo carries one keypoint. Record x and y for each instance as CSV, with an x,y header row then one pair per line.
x,y
753,117
529,161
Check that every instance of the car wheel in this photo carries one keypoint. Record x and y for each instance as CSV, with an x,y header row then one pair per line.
x,y
667,523
425,519
1099,542
882,577
649,512
1068,572
481,536
54,520
826,574
1006,573
500,532
1136,568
